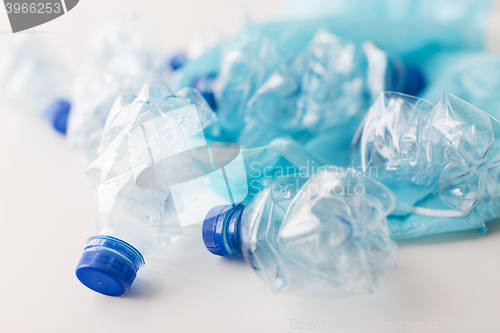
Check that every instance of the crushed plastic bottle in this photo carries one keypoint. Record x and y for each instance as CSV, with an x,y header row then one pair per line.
x,y
136,214
248,62
121,57
328,229
263,75
155,94
330,84
34,80
318,96
151,173
413,30
437,156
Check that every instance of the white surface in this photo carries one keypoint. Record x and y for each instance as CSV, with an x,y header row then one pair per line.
x,y
46,215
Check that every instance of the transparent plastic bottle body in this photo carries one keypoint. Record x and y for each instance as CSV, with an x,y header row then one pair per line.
x,y
136,212
247,62
151,178
449,147
33,76
325,230
440,159
139,134
264,91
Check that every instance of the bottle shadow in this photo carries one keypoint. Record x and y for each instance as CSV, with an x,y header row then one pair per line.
x,y
140,289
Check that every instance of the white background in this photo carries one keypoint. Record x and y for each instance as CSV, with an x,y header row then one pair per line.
x,y
46,215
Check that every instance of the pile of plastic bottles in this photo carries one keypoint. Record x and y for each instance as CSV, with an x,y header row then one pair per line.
x,y
304,146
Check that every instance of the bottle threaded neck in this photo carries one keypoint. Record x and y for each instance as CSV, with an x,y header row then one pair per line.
x,y
222,231
232,233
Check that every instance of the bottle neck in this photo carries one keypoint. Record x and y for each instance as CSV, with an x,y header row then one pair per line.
x,y
231,233
222,231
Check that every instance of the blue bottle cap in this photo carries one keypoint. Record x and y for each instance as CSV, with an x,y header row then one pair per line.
x,y
57,114
221,231
108,265
415,81
205,85
177,61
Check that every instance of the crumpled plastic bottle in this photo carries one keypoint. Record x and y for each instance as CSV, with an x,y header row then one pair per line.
x,y
34,80
330,84
264,92
121,57
328,229
135,212
437,156
137,206
413,30
154,94
248,61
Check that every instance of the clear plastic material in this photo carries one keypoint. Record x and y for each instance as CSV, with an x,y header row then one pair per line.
x,y
414,30
450,149
120,58
248,61
328,85
151,170
153,95
134,199
157,173
264,90
327,229
32,75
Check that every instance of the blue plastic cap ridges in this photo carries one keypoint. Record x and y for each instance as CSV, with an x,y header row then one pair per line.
x,y
57,114
221,231
108,265
177,61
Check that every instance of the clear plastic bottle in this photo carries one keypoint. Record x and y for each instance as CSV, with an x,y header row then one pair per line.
x,y
302,231
152,140
34,80
151,179
329,85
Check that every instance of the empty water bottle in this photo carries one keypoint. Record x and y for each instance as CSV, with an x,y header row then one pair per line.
x,y
156,173
263,92
302,231
136,211
441,161
34,80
